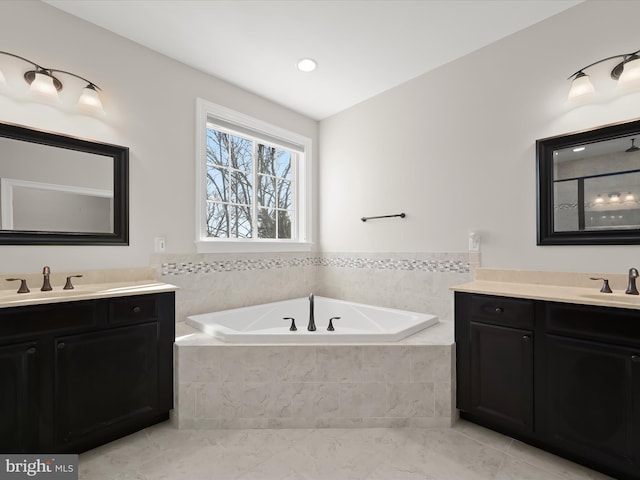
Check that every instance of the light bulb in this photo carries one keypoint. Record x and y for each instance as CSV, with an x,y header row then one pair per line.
x,y
599,199
90,100
581,88
630,77
614,197
43,86
629,197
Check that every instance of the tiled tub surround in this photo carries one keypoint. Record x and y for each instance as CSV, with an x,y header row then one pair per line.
x,y
403,384
407,383
408,281
215,282
416,282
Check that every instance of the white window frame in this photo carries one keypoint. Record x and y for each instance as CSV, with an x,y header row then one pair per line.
x,y
206,111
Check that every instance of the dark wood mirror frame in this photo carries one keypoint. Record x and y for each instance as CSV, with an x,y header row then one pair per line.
x,y
546,235
120,157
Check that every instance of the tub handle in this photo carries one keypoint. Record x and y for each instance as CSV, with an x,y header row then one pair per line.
x,y
330,327
293,327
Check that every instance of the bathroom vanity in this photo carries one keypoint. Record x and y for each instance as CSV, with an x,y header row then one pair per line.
x,y
560,375
81,369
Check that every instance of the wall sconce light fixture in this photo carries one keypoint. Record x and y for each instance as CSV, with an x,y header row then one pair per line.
x,y
627,73
46,86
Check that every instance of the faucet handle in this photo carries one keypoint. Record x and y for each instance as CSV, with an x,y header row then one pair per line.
x,y
293,327
23,284
68,285
605,284
330,327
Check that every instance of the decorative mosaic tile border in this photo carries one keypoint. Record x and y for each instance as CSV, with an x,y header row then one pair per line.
x,y
454,266
185,268
217,266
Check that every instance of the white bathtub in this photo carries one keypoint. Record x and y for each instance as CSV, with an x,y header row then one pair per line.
x,y
357,323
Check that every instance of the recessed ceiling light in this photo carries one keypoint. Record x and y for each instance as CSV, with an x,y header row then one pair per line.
x,y
307,65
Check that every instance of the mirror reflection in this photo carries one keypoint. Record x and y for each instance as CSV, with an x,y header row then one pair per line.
x,y
596,186
61,190
588,186
47,188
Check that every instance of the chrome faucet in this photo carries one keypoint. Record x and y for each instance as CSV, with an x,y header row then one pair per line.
x,y
46,286
631,288
312,324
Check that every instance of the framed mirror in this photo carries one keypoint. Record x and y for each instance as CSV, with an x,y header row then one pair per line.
x,y
588,187
61,190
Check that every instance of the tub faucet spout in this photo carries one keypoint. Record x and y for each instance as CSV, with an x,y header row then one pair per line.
x,y
312,324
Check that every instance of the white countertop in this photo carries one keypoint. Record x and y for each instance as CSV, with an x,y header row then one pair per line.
x,y
9,298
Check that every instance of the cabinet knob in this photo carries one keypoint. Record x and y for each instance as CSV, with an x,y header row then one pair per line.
x,y
31,350
136,309
526,338
499,310
635,358
61,345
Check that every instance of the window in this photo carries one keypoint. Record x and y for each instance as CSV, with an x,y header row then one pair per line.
x,y
252,183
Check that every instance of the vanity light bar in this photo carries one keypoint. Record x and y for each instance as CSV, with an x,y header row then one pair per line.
x,y
615,197
626,73
46,86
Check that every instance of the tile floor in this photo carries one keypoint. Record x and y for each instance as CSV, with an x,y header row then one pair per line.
x,y
463,452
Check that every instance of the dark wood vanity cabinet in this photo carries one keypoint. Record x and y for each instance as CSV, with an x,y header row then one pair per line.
x,y
19,394
562,377
75,375
495,358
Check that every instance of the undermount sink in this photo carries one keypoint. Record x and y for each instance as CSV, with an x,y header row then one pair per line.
x,y
613,297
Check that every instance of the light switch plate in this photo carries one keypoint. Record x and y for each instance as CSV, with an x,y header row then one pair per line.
x,y
159,244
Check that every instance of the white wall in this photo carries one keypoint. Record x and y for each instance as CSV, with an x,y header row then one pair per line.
x,y
455,148
150,104
454,153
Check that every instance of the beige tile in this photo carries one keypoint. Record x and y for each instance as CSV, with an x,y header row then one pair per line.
x,y
410,400
444,399
339,363
363,400
292,363
431,363
161,452
386,363
514,469
553,463
198,364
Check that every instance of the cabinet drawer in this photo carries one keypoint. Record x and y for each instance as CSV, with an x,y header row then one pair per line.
x,y
135,309
613,325
510,312
37,319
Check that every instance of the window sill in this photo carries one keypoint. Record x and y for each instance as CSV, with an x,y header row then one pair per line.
x,y
207,246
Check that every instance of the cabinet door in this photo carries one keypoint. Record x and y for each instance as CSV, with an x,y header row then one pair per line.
x,y
502,376
104,381
591,400
19,398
